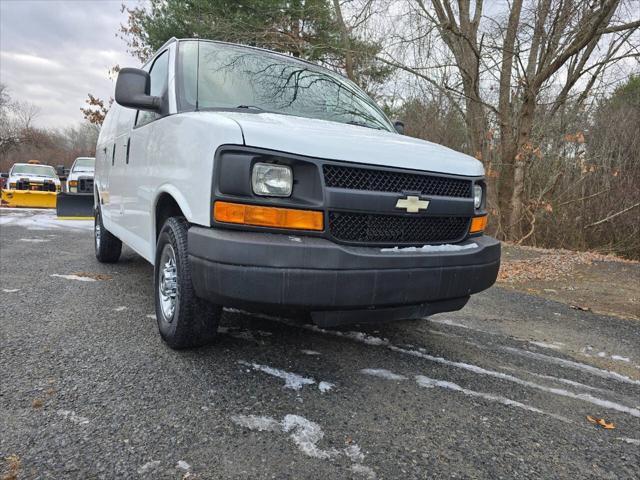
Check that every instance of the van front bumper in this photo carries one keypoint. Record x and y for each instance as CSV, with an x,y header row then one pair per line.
x,y
282,272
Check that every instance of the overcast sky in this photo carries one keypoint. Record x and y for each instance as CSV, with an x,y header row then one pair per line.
x,y
52,53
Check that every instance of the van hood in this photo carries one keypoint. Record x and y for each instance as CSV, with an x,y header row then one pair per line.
x,y
350,143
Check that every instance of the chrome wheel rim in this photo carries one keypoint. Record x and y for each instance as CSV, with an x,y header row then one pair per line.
x,y
168,283
96,231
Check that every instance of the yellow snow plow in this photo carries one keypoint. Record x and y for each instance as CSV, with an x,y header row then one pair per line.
x,y
28,199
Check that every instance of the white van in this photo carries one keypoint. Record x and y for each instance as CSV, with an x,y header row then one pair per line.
x,y
256,180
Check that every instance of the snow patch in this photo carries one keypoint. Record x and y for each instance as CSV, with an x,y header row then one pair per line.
x,y
525,383
431,248
632,441
427,382
254,422
382,373
73,277
147,467
620,358
10,290
310,352
152,316
305,435
324,387
182,465
552,346
34,240
73,417
42,220
291,380
571,364
120,309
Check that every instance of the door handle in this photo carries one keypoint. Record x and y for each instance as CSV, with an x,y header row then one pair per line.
x,y
128,148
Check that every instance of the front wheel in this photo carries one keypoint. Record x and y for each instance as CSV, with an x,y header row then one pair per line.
x,y
184,320
108,247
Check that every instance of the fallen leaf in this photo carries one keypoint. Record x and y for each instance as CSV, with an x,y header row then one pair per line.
x,y
603,423
37,403
13,465
591,419
95,276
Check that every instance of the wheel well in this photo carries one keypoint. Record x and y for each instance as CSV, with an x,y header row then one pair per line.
x,y
165,208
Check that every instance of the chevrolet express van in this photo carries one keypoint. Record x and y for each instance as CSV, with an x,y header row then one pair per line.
x,y
255,180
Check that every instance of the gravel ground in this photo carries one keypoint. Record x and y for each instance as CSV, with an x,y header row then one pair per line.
x,y
496,390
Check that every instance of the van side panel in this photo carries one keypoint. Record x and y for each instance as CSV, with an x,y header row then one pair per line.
x,y
176,157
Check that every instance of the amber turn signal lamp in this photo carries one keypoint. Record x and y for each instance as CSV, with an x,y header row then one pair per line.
x,y
478,224
261,216
73,183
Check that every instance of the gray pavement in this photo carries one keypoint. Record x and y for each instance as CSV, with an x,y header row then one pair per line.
x,y
88,389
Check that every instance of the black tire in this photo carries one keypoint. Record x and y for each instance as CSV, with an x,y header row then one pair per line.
x,y
193,321
108,247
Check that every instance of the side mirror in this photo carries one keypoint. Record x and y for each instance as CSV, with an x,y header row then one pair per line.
x,y
4,175
399,127
132,90
60,170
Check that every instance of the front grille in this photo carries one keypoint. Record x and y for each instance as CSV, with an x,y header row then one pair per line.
x,y
85,185
374,229
388,181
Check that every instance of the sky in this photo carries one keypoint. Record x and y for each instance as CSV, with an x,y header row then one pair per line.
x,y
52,53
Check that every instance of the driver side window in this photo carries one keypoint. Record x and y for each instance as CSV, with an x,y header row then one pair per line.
x,y
159,73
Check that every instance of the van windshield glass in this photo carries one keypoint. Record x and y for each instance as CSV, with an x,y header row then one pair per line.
x,y
245,78
84,165
36,170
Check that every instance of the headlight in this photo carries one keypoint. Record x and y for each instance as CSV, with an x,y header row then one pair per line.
x,y
272,180
477,196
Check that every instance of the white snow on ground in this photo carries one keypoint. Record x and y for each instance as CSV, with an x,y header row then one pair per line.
x,y
120,309
255,422
620,358
382,373
147,467
310,352
10,290
291,380
152,316
182,465
324,387
503,376
431,248
305,435
556,379
632,441
73,277
510,378
35,240
451,323
32,219
553,346
571,364
431,383
73,417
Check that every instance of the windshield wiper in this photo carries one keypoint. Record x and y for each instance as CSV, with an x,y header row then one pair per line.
x,y
363,124
250,107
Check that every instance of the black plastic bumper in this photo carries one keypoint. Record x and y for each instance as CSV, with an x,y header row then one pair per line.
x,y
269,271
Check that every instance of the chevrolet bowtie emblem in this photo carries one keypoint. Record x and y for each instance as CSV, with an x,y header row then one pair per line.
x,y
412,204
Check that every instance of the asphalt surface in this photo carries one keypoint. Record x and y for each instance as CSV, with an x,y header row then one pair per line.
x,y
89,390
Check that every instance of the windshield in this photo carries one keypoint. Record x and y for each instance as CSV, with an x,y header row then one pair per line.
x,y
84,165
236,77
39,170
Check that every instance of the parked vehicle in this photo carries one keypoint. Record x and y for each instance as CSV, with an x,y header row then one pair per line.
x,y
31,184
256,180
77,201
80,178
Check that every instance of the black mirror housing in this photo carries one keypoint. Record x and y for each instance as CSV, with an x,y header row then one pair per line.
x,y
132,90
399,126
4,175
